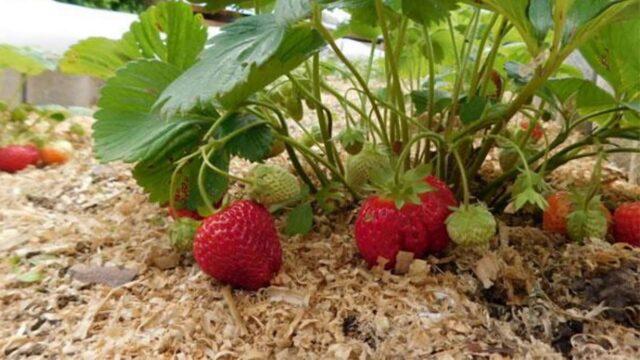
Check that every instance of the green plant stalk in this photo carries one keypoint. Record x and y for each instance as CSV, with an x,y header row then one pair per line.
x,y
201,187
452,32
529,90
432,88
292,154
490,188
523,158
466,50
321,160
223,141
395,85
350,104
319,173
407,150
220,171
217,124
326,35
324,127
463,176
491,58
372,54
476,67
342,72
398,84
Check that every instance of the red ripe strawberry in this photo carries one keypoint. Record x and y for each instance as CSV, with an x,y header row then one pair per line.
x,y
14,158
554,218
239,246
382,230
626,220
538,132
435,210
408,214
441,190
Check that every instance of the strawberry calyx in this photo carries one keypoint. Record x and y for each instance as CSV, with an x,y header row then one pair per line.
x,y
404,188
181,234
352,140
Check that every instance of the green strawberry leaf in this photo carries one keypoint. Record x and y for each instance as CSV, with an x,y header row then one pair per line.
x,y
246,56
253,144
155,179
126,129
608,54
300,220
540,14
24,60
168,32
99,57
171,33
290,11
471,110
588,96
428,11
420,99
530,196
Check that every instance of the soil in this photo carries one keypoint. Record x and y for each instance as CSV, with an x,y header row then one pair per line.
x,y
529,294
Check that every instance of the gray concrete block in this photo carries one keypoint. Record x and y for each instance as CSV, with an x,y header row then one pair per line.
x,y
53,87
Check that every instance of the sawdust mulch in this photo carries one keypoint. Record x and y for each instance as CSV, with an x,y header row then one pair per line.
x,y
530,295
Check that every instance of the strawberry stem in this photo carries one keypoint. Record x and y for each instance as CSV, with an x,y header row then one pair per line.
x,y
463,176
220,171
407,150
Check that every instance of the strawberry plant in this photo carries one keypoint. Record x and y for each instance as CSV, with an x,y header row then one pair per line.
x,y
452,77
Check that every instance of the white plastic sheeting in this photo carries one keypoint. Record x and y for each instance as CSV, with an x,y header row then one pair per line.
x,y
52,27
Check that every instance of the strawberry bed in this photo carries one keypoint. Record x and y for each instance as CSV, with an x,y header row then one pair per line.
x,y
260,193
531,294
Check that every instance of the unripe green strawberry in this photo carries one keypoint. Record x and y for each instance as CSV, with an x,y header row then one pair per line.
x,y
585,224
352,140
314,136
19,114
293,103
359,168
471,225
181,234
508,158
272,184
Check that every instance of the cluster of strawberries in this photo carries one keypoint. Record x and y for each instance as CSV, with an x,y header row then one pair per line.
x,y
382,230
239,245
563,209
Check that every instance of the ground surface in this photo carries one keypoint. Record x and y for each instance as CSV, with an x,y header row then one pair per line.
x,y
531,295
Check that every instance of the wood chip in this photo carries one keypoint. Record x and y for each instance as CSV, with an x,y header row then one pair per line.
x,y
403,262
289,296
486,269
106,275
164,262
